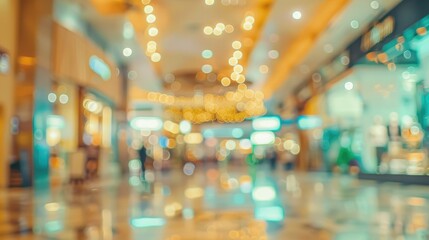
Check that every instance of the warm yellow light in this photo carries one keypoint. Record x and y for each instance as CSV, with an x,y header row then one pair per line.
x,y
249,19
208,30
151,46
238,54
153,31
53,136
241,78
229,28
193,138
106,127
263,69
233,61
193,193
234,76
236,45
242,87
171,127
259,95
156,57
238,68
217,32
150,18
249,93
220,26
209,2
225,81
145,2
247,26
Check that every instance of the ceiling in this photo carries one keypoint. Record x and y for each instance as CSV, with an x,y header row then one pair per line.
x,y
181,40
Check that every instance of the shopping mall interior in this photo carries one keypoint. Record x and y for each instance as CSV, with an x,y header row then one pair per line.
x,y
214,119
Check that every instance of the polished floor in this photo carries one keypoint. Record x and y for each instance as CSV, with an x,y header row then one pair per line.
x,y
217,203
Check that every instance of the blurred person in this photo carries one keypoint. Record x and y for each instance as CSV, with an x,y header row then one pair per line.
x,y
93,155
142,157
272,158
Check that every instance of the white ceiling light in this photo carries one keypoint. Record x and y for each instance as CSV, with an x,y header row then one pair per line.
x,y
153,31
273,54
348,86
156,57
375,4
148,9
150,18
297,15
207,54
127,52
207,68
354,24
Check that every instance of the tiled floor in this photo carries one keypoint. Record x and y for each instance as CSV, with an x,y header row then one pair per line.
x,y
216,204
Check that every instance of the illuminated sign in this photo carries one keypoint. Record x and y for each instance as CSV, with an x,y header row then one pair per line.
x,y
99,67
379,32
309,122
272,123
148,222
262,138
146,123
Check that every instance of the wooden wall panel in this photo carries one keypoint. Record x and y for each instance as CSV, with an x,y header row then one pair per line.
x,y
71,61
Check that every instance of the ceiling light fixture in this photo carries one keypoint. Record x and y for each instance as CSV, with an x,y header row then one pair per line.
x,y
236,45
127,52
348,86
153,31
209,2
150,18
374,5
156,57
273,54
207,68
207,54
297,15
148,9
354,24
208,30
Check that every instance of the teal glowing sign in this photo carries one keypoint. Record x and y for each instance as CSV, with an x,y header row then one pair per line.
x,y
99,67
271,123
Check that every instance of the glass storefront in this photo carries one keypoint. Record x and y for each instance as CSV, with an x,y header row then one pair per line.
x,y
377,110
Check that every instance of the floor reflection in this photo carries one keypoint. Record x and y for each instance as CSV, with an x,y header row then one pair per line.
x,y
218,203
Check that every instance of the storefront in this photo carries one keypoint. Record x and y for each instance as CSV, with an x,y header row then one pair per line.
x,y
73,109
377,107
85,94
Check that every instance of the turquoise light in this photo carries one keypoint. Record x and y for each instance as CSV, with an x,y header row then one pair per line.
x,y
148,222
146,123
309,122
55,121
53,226
207,54
271,123
237,133
273,213
100,67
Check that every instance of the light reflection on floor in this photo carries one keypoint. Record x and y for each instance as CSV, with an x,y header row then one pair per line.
x,y
218,204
